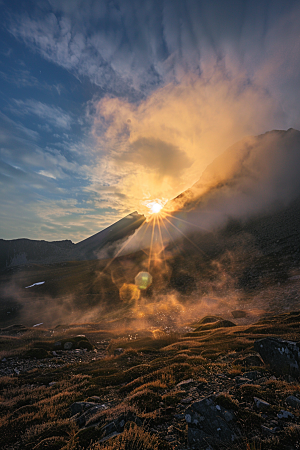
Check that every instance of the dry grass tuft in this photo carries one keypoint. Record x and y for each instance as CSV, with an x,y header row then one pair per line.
x,y
133,438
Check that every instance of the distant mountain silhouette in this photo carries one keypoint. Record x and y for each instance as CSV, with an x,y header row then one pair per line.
x,y
26,251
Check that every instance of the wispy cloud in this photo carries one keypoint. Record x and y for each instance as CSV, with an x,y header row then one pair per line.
x,y
23,78
129,50
54,115
47,174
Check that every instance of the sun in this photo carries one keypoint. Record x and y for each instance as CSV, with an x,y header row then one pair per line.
x,y
155,207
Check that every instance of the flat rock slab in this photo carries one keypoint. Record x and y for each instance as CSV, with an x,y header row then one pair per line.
x,y
282,356
209,423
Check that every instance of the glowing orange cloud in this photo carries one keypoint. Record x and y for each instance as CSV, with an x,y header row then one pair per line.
x,y
161,146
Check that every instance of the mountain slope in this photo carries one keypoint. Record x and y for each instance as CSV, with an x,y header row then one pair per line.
x,y
18,252
255,174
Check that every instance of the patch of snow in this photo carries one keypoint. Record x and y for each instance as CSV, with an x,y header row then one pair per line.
x,y
35,284
37,324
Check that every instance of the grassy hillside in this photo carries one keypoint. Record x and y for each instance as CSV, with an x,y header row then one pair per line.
x,y
139,376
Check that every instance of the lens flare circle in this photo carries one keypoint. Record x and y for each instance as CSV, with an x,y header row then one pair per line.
x,y
143,280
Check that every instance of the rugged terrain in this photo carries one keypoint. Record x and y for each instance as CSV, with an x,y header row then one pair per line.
x,y
105,390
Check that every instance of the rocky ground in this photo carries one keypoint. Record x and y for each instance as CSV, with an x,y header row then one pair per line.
x,y
219,386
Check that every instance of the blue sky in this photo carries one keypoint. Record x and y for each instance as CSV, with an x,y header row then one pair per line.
x,y
108,105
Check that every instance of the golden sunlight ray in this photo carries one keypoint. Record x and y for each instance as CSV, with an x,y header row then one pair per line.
x,y
196,246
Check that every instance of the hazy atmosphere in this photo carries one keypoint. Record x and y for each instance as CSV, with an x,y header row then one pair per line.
x,y
149,225
107,106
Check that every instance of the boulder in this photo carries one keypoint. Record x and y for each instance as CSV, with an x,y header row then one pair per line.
x,y
238,314
214,325
282,356
79,407
292,401
209,319
85,344
210,423
71,343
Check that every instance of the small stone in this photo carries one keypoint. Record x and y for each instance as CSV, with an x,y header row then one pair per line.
x,y
118,351
54,353
186,384
285,415
112,435
95,398
268,431
52,383
187,400
242,380
262,380
251,375
68,345
261,404
179,416
171,438
188,418
3,360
